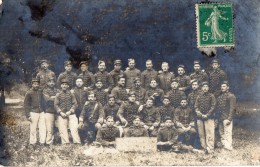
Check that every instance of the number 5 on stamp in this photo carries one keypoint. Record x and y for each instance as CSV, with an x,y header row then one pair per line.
x,y
215,25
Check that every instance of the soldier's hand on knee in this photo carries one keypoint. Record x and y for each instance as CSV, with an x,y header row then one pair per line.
x,y
63,115
81,125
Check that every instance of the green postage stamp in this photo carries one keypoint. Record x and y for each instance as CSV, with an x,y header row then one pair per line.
x,y
215,24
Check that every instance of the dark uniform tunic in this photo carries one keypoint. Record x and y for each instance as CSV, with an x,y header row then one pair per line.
x,y
184,115
175,97
91,112
33,102
107,134
88,79
216,77
192,97
43,76
136,131
206,103
147,76
101,96
165,80
48,92
200,76
65,101
166,111
111,110
184,81
167,135
115,75
130,75
158,98
150,116
226,104
81,97
120,93
128,110
139,94
70,76
106,79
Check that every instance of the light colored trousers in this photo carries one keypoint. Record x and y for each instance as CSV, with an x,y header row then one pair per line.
x,y
49,121
225,132
37,120
72,122
206,130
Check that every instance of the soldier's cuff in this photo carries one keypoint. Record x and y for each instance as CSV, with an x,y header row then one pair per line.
x,y
81,120
71,111
58,111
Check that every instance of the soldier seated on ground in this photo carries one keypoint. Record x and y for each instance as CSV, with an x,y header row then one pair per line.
x,y
107,135
136,130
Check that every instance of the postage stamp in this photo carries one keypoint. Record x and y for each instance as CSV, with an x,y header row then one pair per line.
x,y
215,24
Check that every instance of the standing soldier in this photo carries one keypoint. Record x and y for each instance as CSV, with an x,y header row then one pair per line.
x,y
101,94
44,74
155,93
148,74
34,112
136,130
87,76
165,78
183,80
68,74
198,74
50,93
104,76
65,105
116,72
166,110
91,118
150,117
81,95
204,107
175,94
139,91
226,103
131,73
216,77
120,91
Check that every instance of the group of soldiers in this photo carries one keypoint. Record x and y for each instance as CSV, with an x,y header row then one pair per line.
x,y
103,106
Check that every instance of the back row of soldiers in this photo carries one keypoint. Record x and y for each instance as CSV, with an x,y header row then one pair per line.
x,y
152,96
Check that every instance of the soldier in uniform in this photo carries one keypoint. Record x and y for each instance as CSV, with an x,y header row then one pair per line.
x,y
120,91
216,77
139,91
104,76
107,135
148,74
184,120
194,93
65,105
44,73
68,74
136,130
116,72
87,76
166,110
101,94
81,95
183,79
91,118
131,73
204,108
165,78
34,106
175,94
154,92
150,117
49,94
198,74
226,103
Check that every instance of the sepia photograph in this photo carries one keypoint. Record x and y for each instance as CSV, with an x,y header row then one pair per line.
x,y
129,83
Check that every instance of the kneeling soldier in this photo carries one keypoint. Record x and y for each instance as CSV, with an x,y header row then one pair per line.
x,y
136,130
108,134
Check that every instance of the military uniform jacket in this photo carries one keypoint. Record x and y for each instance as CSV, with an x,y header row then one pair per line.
x,y
184,81
157,99
216,77
192,97
70,76
65,101
150,116
134,131
206,103
166,111
147,76
130,75
115,75
106,79
111,111
91,112
168,134
43,76
175,97
120,93
88,79
226,104
128,110
185,116
48,92
165,80
33,102
200,76
107,134
139,94
81,96
101,96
